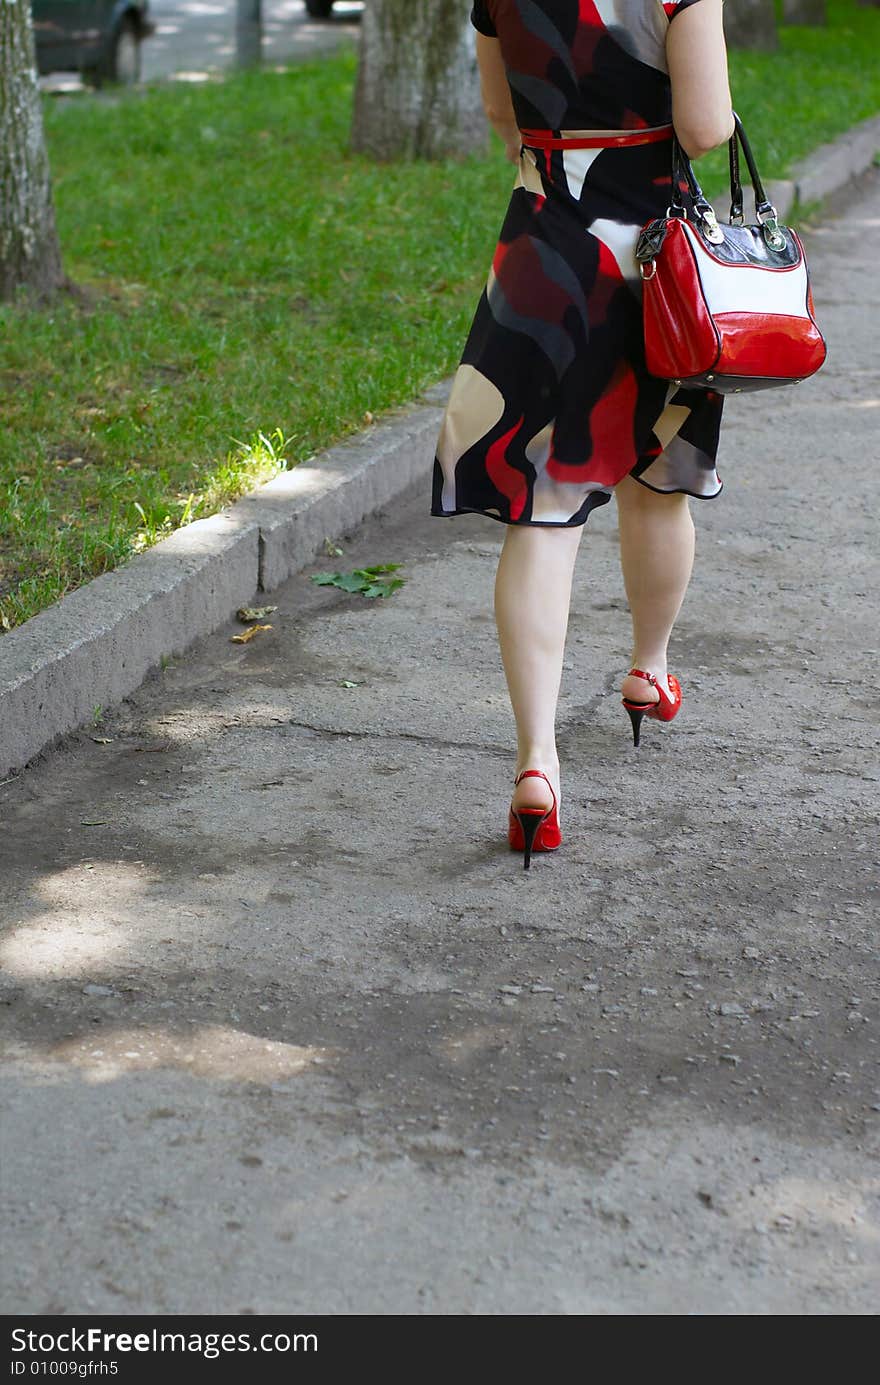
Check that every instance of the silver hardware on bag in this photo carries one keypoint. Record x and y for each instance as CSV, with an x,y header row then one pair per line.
x,y
711,229
770,228
652,264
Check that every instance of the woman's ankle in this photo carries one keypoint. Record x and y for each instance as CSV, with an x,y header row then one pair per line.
x,y
651,661
532,791
534,757
636,688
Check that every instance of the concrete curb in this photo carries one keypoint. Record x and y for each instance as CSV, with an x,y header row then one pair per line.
x,y
828,169
299,509
97,645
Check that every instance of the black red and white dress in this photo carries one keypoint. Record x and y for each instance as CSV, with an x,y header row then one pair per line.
x,y
552,404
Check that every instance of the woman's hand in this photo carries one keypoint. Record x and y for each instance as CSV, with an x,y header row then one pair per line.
x,y
512,145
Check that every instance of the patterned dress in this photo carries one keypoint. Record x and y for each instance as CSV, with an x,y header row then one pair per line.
x,y
552,404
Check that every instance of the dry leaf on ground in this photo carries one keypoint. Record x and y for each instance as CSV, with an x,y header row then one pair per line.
x,y
247,635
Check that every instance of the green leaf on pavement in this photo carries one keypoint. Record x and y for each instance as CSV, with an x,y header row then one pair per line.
x,y
364,581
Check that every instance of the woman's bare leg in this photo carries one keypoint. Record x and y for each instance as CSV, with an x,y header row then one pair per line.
x,y
532,596
657,557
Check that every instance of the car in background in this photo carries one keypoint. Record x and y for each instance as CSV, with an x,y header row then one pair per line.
x,y
319,9
101,39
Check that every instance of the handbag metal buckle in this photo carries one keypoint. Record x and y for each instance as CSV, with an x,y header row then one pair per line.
x,y
770,228
711,230
652,265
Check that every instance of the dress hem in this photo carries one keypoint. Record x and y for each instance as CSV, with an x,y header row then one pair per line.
x,y
517,523
567,523
679,490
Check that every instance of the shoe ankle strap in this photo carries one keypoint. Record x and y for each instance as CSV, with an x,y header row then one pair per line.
x,y
640,673
534,774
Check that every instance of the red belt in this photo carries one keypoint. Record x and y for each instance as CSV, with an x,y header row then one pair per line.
x,y
613,139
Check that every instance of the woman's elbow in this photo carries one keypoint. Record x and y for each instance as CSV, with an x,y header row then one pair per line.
x,y
700,137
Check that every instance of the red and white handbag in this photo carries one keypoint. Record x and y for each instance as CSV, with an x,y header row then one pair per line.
x,y
727,307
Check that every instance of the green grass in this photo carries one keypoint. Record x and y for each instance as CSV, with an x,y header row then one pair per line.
x,y
250,292
241,275
819,83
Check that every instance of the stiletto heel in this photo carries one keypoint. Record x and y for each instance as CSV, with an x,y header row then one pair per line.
x,y
667,706
530,820
534,829
635,716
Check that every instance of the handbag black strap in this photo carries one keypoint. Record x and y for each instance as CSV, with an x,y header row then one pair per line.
x,y
685,184
763,205
736,192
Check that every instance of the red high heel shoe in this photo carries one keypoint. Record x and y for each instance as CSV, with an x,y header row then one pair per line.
x,y
534,829
664,710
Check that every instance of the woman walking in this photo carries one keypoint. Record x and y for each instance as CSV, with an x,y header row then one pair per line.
x,y
552,410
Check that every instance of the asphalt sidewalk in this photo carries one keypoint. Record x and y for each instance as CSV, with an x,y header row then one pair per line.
x,y
288,1027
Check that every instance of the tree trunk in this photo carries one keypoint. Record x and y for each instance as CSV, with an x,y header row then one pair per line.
x,y
418,92
804,12
29,252
751,24
248,32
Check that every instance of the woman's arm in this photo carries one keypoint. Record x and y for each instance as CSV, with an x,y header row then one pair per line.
x,y
697,57
496,95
